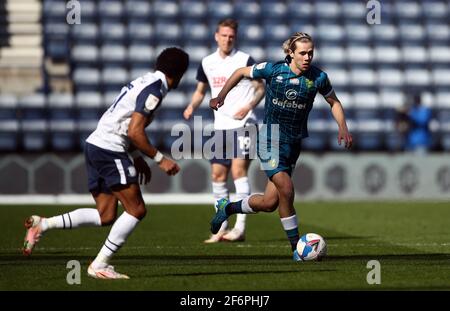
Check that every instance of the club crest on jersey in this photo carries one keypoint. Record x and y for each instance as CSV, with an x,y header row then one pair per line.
x,y
261,66
291,94
131,171
151,103
309,84
279,79
294,81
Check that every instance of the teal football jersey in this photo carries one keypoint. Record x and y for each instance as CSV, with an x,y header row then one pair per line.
x,y
290,97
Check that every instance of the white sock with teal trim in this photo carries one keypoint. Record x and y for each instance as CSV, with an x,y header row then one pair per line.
x,y
81,217
220,191
290,226
119,233
246,209
242,191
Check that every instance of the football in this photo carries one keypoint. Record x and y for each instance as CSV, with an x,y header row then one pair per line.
x,y
311,246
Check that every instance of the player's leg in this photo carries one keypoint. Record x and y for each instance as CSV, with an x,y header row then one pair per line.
x,y
131,198
286,210
219,174
267,202
239,172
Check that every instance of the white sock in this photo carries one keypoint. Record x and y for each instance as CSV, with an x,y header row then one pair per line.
x,y
220,191
81,217
242,191
119,233
246,209
290,222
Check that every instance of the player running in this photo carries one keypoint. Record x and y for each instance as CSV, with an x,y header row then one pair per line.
x,y
214,70
112,176
292,85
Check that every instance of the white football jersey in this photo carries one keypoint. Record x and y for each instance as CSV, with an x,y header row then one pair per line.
x,y
215,71
143,95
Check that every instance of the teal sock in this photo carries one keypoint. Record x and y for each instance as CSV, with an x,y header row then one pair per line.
x,y
234,208
293,237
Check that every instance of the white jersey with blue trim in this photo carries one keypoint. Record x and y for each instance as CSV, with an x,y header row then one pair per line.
x,y
143,95
215,71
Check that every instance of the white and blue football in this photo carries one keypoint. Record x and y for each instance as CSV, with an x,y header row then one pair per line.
x,y
311,246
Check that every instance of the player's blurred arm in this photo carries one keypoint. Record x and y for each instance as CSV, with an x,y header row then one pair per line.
x,y
236,77
257,97
338,114
197,99
137,136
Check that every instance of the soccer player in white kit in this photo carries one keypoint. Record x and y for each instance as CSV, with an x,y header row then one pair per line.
x,y
214,71
112,176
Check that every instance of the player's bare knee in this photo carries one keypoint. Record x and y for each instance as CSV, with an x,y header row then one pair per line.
x,y
218,177
139,211
270,204
107,218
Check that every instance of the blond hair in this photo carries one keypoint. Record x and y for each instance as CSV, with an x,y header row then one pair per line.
x,y
289,44
228,22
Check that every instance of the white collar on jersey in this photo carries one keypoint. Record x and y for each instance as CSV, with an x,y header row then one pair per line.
x,y
162,76
233,51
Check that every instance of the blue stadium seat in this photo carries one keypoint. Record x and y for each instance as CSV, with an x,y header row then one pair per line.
x,y
84,55
89,106
114,78
359,54
276,32
248,10
390,78
166,9
112,33
251,33
9,135
437,33
140,32
62,135
409,11
330,33
258,53
61,107
435,10
387,54
358,34
168,33
274,12
85,34
411,34
139,54
86,79
8,107
88,11
110,11
113,55
385,33
34,135
138,10
192,10
33,107
197,33
303,12
417,77
220,9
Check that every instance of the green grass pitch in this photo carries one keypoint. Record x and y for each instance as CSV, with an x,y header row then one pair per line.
x,y
410,240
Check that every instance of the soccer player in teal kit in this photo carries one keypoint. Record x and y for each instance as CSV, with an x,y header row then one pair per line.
x,y
291,86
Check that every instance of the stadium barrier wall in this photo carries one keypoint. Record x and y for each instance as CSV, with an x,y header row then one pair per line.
x,y
53,178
